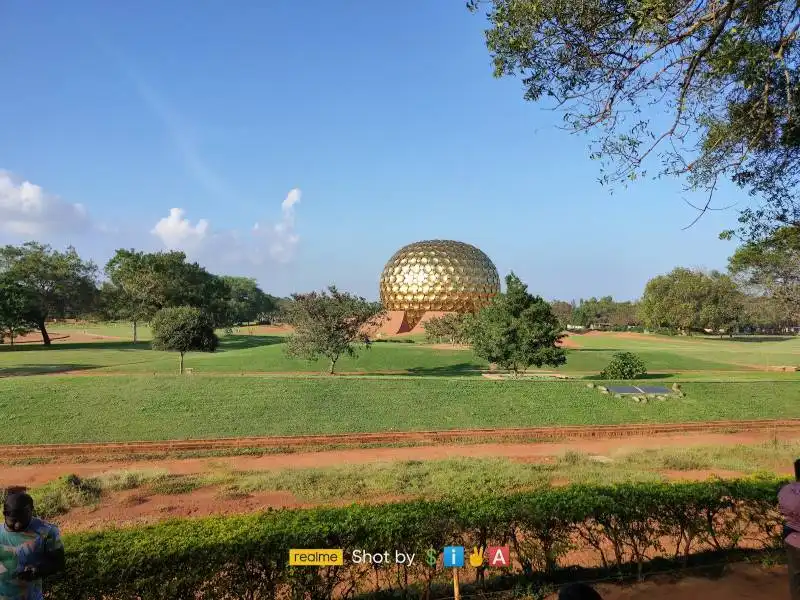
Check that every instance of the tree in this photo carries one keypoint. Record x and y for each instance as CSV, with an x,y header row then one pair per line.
x,y
518,330
593,311
564,312
605,311
723,74
147,282
685,300
329,323
139,287
183,329
722,306
247,301
452,327
771,268
59,284
15,309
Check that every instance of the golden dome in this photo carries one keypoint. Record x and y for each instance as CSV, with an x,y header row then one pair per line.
x,y
439,275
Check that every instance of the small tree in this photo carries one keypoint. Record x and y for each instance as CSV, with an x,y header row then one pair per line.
x,y
15,310
329,323
624,365
183,329
518,330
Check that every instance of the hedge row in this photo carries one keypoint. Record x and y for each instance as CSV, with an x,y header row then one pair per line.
x,y
246,557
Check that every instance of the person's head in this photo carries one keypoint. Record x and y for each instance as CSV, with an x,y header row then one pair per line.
x,y
789,504
18,511
578,591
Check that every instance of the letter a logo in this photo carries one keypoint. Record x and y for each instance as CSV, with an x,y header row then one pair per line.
x,y
499,556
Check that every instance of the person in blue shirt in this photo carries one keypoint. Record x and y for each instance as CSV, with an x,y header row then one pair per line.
x,y
30,550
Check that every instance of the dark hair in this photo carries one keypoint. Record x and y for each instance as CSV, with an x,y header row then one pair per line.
x,y
578,591
21,499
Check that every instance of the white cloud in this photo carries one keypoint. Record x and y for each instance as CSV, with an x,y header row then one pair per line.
x,y
177,233
27,210
226,248
281,238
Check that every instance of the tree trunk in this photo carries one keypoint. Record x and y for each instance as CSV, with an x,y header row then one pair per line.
x,y
333,365
43,330
11,335
135,338
181,367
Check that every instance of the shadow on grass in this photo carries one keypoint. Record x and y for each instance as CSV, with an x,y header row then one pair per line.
x,y
649,376
56,346
579,350
27,370
240,342
757,338
460,370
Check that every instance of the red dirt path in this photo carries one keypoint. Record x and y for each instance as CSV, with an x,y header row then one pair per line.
x,y
32,475
136,506
416,437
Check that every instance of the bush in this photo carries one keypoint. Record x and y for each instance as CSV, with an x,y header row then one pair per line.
x,y
246,556
624,365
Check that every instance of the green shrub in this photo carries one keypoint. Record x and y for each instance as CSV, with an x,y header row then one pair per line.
x,y
247,556
624,365
59,496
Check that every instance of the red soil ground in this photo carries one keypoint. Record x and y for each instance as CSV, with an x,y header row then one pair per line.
x,y
474,436
137,506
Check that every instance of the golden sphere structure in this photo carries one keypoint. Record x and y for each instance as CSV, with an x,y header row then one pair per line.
x,y
438,275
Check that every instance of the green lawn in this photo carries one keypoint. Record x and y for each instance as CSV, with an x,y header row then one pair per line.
x,y
752,350
236,354
73,409
121,330
438,389
696,357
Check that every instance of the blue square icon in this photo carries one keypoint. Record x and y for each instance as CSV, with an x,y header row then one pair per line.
x,y
453,556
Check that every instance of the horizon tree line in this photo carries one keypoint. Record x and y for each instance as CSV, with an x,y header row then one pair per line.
x,y
38,284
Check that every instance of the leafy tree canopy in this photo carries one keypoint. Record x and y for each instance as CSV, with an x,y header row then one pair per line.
x,y
329,323
247,301
564,312
16,315
183,329
147,282
58,284
605,311
518,330
771,267
708,89
454,328
687,300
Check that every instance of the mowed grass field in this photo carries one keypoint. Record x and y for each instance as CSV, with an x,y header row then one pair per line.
x,y
690,357
251,388
61,409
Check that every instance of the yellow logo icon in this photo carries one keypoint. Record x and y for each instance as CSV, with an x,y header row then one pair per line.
x,y
476,558
316,557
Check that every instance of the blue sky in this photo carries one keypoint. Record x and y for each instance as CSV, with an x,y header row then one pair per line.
x,y
345,130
